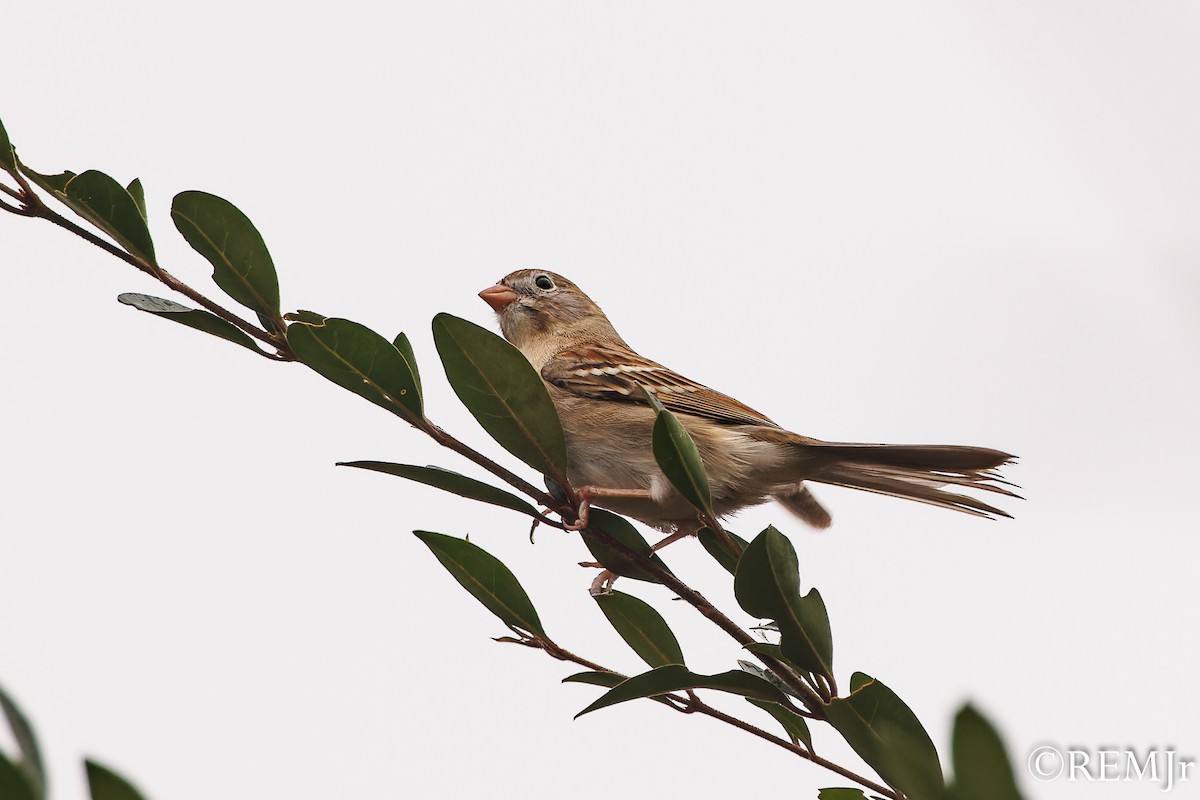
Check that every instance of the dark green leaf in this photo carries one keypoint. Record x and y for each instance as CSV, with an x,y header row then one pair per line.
x,y
605,679
307,317
716,548
31,757
108,785
449,481
14,783
678,457
138,193
487,579
767,584
356,358
841,794
888,736
642,628
191,317
793,724
242,266
402,344
8,159
982,770
503,392
764,673
601,521
675,677
105,203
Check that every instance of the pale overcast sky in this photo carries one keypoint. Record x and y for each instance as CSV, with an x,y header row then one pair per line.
x,y
918,222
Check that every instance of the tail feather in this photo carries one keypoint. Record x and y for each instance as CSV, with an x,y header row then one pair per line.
x,y
800,501
914,472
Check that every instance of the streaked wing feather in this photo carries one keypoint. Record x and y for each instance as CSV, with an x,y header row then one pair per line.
x,y
610,372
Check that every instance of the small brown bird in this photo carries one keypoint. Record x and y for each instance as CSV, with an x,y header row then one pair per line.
x,y
593,376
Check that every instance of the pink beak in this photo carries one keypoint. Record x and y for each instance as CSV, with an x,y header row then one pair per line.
x,y
498,297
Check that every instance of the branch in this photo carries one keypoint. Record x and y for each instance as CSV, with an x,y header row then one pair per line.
x,y
691,704
34,207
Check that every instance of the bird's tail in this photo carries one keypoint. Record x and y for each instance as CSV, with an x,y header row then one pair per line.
x,y
921,472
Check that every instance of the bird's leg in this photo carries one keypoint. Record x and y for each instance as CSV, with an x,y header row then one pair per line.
x,y
604,581
587,494
681,532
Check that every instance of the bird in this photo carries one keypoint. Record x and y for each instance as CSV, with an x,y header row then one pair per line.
x,y
598,384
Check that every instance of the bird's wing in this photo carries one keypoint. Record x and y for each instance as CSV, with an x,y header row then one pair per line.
x,y
612,372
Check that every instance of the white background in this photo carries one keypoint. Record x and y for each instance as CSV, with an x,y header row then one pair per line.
x,y
920,222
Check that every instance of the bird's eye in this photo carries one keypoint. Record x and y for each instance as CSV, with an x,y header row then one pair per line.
x,y
543,282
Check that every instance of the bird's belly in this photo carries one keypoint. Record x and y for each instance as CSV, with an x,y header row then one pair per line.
x,y
740,469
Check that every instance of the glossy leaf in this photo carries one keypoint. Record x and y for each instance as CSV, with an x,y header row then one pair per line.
x,y
138,193
356,358
30,762
503,392
767,585
487,579
678,457
402,344
449,481
8,158
841,794
888,736
593,678
306,317
793,724
642,628
982,770
14,783
609,557
191,317
105,203
675,677
764,673
242,266
716,548
105,784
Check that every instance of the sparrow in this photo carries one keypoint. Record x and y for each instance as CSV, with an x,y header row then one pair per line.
x,y
597,380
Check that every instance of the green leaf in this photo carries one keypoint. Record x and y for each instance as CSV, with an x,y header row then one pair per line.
x,y
487,579
764,673
451,482
103,202
605,679
678,457
14,783
767,585
356,358
642,628
503,392
242,266
716,548
888,736
609,557
402,344
982,770
30,762
675,677
191,317
793,724
841,794
108,785
306,317
8,158
138,193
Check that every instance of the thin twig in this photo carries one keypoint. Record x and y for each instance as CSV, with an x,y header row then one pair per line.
x,y
36,208
446,440
690,703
